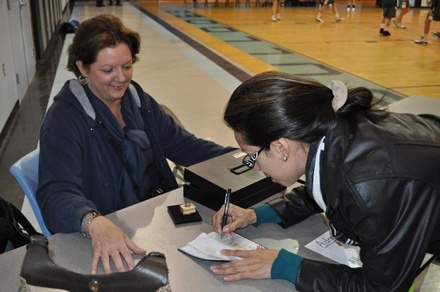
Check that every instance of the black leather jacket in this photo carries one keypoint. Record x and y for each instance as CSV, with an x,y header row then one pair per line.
x,y
381,186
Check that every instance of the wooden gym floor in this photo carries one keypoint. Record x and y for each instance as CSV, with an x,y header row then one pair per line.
x,y
351,50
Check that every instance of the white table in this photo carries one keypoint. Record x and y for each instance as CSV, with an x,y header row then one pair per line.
x,y
150,226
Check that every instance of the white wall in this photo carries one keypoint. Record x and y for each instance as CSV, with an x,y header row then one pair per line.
x,y
8,89
23,54
16,32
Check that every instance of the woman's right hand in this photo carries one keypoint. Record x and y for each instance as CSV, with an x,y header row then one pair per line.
x,y
237,218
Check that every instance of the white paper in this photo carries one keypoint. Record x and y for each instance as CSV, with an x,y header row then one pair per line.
x,y
208,246
288,244
327,246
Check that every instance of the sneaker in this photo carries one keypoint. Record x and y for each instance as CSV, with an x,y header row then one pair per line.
x,y
339,19
274,18
348,9
353,9
278,16
318,18
436,35
421,41
386,33
398,24
381,31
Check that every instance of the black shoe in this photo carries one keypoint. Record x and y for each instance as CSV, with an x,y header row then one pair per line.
x,y
381,31
386,33
110,3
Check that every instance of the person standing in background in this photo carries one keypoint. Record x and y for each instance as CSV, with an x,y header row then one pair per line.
x,y
332,3
433,14
276,10
351,5
389,12
404,9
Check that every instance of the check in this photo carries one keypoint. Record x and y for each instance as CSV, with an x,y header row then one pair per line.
x,y
207,246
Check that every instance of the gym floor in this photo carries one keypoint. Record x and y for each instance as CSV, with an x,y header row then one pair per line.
x,y
192,58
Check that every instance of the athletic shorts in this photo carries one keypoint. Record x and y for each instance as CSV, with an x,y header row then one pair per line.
x,y
389,12
435,8
388,4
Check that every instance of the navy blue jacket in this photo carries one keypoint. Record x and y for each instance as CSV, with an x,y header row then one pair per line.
x,y
79,169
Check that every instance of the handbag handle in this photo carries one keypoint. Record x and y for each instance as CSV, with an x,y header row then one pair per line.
x,y
38,269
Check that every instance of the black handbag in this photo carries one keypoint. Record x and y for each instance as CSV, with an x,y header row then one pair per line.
x,y
14,226
38,269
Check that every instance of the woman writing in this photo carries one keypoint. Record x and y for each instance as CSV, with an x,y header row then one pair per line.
x,y
104,143
374,174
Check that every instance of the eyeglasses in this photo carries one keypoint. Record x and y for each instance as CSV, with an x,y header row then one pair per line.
x,y
249,161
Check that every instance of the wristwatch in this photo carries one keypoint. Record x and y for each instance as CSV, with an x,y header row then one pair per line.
x,y
86,220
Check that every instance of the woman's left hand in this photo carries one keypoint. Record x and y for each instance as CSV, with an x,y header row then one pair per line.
x,y
255,264
110,243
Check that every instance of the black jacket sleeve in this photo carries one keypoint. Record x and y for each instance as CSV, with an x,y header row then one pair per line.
x,y
295,207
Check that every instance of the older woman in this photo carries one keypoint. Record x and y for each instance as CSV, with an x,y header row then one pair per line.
x,y
104,142
375,175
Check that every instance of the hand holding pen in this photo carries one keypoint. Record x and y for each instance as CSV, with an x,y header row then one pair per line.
x,y
226,212
238,217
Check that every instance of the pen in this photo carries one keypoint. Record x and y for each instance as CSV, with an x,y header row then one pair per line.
x,y
225,214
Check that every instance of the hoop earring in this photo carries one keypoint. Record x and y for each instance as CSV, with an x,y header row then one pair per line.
x,y
285,158
83,80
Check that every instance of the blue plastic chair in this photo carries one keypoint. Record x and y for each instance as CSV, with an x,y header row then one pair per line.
x,y
25,172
